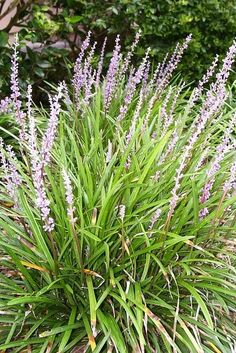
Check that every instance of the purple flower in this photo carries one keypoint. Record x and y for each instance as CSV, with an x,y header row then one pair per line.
x,y
231,181
203,213
201,160
171,145
50,133
37,171
121,212
111,77
78,77
88,75
88,87
149,111
15,91
5,105
215,98
199,89
221,150
130,53
169,116
134,79
206,192
100,64
40,160
69,196
109,152
131,131
154,219
11,174
166,71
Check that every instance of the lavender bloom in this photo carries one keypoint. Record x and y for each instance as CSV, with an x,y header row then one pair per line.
x,y
199,89
154,78
122,212
130,53
149,110
88,87
49,135
201,160
87,70
215,98
156,176
135,118
15,91
154,219
134,80
5,105
111,79
32,138
87,76
223,74
109,152
67,99
165,74
40,160
12,167
69,196
164,114
78,78
158,72
100,64
42,201
206,192
221,151
11,174
231,181
203,213
169,117
131,132
145,83
171,145
29,102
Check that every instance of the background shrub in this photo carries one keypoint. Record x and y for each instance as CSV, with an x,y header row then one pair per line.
x,y
163,23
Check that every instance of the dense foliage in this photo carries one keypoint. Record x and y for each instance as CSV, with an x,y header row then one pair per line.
x,y
117,213
163,24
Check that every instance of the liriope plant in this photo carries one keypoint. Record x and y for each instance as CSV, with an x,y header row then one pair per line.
x,y
117,218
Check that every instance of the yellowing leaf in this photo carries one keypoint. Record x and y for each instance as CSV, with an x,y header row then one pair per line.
x,y
91,273
36,267
92,342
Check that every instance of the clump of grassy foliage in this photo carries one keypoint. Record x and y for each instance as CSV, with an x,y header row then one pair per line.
x,y
117,214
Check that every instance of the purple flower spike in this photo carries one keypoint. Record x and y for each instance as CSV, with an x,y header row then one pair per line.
x,y
130,53
215,98
203,213
50,133
100,64
166,72
15,91
40,160
69,196
154,219
5,105
199,89
78,78
224,147
231,181
111,78
11,174
134,80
